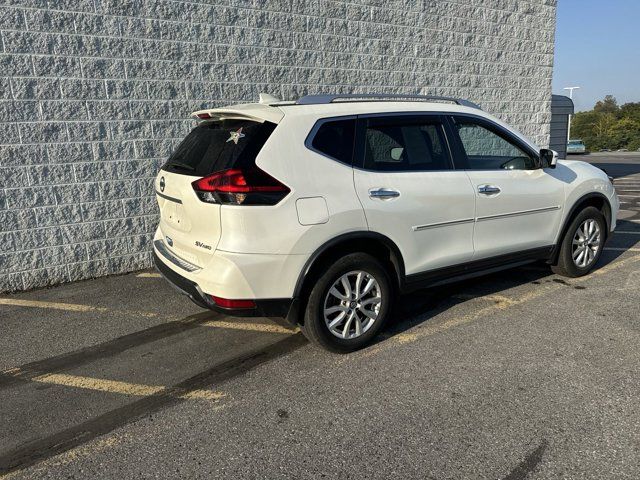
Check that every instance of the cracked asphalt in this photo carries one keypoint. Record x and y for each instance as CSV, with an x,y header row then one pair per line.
x,y
519,374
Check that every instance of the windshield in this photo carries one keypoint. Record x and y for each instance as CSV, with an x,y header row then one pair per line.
x,y
575,143
215,146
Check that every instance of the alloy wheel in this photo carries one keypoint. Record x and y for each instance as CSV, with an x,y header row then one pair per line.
x,y
352,304
586,242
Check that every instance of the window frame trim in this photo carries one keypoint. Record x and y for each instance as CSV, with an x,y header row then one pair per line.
x,y
308,142
500,131
359,151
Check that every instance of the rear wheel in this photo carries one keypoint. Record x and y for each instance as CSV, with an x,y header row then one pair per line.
x,y
582,244
348,304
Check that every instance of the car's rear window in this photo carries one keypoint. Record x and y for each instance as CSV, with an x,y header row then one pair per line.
x,y
215,146
335,138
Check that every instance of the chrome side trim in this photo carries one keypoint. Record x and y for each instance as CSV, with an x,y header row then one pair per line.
x,y
522,212
418,228
167,197
173,258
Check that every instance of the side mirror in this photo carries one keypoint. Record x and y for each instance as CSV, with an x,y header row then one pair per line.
x,y
549,158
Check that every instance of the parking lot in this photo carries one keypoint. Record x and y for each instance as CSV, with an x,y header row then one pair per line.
x,y
520,374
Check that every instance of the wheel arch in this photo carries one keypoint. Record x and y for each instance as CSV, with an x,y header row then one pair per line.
x,y
376,244
593,199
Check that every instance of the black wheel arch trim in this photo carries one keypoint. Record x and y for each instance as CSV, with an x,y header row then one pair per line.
x,y
396,256
570,216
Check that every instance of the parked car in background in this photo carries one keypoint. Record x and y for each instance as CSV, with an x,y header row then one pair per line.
x,y
324,209
576,146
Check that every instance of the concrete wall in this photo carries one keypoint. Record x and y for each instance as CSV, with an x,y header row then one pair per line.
x,y
95,93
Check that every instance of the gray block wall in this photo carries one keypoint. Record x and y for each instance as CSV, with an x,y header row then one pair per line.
x,y
95,93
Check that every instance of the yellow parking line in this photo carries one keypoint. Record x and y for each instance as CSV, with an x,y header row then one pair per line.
x,y
72,307
149,275
114,386
501,303
99,384
254,327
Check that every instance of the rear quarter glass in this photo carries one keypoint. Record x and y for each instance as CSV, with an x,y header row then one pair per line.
x,y
220,145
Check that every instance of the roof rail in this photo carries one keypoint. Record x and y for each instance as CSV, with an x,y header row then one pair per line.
x,y
322,99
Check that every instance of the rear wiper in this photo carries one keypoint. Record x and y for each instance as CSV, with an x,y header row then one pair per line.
x,y
184,166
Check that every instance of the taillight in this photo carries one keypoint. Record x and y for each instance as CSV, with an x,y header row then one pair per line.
x,y
240,187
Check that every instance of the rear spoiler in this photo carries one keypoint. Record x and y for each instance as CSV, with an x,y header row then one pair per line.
x,y
248,111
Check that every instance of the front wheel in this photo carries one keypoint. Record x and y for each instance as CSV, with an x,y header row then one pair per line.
x,y
582,244
348,304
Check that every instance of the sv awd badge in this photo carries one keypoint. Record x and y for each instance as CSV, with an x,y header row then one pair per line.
x,y
202,245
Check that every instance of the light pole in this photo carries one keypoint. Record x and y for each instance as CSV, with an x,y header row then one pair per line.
x,y
571,89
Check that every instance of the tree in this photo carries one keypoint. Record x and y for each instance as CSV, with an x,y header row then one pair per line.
x,y
630,110
608,125
608,105
624,132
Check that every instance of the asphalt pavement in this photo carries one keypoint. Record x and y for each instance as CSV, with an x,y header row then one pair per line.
x,y
520,374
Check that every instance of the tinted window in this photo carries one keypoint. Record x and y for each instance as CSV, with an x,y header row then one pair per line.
x,y
404,144
489,150
335,139
215,146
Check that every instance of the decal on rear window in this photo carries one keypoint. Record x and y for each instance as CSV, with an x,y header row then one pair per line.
x,y
234,136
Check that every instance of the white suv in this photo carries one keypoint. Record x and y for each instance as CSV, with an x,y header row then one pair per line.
x,y
324,209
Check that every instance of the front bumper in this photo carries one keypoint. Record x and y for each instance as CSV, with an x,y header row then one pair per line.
x,y
275,307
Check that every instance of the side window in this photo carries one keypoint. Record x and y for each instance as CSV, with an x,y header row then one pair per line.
x,y
489,150
335,139
404,144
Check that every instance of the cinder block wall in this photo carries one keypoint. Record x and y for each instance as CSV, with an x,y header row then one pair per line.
x,y
95,93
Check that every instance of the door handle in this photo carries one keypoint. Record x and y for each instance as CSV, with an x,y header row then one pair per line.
x,y
488,189
383,193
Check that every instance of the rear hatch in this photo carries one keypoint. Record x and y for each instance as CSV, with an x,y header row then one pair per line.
x,y
190,218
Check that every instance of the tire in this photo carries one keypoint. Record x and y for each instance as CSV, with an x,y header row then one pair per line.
x,y
322,298
566,266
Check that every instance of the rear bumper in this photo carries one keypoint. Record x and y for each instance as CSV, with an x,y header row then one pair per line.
x,y
276,307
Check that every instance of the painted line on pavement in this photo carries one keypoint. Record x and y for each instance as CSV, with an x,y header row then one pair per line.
x,y
626,232
432,329
621,249
36,450
124,388
149,275
71,307
253,327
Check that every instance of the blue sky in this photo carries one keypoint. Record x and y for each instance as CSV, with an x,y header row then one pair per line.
x,y
598,48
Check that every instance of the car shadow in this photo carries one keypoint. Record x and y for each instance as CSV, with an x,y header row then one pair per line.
x,y
421,306
615,170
